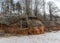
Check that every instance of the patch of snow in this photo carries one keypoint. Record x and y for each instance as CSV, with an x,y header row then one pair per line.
x,y
53,37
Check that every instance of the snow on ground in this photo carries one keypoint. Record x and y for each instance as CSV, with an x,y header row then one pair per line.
x,y
53,37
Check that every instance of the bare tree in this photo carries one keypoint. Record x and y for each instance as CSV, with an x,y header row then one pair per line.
x,y
44,10
18,7
36,8
53,9
27,10
27,6
5,6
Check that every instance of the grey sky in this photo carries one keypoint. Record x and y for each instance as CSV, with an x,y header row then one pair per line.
x,y
57,2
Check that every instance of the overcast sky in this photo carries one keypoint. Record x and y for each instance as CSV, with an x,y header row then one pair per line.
x,y
57,2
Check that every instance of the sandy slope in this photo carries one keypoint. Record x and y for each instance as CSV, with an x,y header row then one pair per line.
x,y
53,37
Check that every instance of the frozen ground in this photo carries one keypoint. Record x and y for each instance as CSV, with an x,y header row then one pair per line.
x,y
53,37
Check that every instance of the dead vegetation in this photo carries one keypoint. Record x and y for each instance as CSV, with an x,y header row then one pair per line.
x,y
13,26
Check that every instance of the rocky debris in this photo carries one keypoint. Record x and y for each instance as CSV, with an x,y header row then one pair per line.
x,y
36,30
24,31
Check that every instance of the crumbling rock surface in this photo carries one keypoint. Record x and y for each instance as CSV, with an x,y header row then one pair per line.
x,y
11,25
17,30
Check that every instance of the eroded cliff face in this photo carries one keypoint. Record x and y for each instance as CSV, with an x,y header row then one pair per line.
x,y
37,28
23,31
